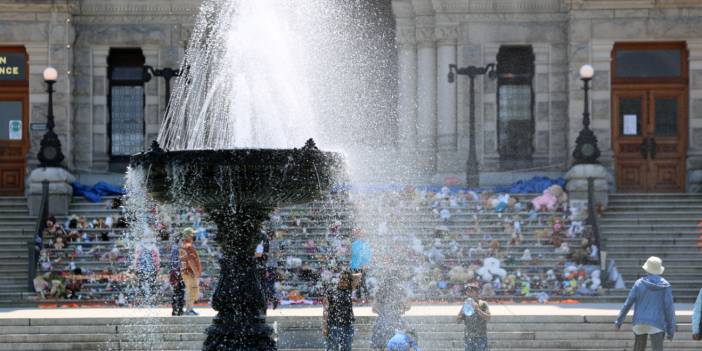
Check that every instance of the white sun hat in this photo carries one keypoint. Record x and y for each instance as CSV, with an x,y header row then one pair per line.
x,y
654,265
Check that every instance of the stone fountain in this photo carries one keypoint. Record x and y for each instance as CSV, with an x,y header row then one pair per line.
x,y
238,188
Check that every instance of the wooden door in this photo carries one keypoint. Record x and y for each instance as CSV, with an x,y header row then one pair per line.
x,y
14,120
650,139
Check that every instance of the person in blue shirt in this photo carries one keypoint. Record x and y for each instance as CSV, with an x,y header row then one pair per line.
x,y
403,341
696,318
654,313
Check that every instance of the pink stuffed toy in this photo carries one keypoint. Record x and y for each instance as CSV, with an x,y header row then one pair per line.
x,y
550,199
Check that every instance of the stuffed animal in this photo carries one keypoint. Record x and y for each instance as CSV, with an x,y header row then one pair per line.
x,y
596,281
564,249
487,290
490,268
58,244
516,239
41,286
524,289
552,198
541,235
509,282
576,227
460,274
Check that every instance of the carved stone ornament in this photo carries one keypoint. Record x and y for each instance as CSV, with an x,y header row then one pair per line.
x,y
446,33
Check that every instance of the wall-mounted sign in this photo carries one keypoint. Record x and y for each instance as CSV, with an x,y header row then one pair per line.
x,y
15,129
37,127
12,66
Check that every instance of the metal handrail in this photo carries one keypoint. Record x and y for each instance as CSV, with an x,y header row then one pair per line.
x,y
595,226
35,246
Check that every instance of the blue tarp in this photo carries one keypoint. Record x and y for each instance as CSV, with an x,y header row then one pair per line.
x,y
97,191
535,185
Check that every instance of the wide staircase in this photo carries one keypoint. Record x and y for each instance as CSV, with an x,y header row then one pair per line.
x,y
636,226
16,229
435,333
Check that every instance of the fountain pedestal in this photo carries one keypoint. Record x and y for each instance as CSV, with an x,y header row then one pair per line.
x,y
239,299
238,189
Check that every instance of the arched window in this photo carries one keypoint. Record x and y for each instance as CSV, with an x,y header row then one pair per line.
x,y
515,107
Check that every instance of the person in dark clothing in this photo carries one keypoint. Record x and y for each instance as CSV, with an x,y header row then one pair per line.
x,y
474,315
176,280
337,327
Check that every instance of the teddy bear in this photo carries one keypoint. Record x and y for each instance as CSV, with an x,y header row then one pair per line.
x,y
541,235
41,286
58,244
551,198
509,282
461,274
490,268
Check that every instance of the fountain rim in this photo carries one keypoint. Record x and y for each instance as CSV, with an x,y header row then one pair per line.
x,y
236,153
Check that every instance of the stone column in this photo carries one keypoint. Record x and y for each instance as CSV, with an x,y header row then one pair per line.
x,y
407,81
576,186
60,190
426,94
446,93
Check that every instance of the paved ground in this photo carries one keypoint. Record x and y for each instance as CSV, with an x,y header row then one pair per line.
x,y
421,310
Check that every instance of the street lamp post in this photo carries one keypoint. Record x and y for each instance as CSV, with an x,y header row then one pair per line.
x,y
472,175
167,74
586,150
50,154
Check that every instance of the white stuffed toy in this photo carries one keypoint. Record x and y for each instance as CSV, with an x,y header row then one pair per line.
x,y
596,281
491,268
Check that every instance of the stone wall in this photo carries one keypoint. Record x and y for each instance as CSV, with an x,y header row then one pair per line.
x,y
75,38
160,28
564,35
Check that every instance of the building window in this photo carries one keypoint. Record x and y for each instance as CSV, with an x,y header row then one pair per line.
x,y
515,107
126,103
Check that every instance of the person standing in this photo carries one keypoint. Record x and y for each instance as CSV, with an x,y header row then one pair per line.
x,y
337,326
654,313
191,270
176,280
389,304
475,315
696,317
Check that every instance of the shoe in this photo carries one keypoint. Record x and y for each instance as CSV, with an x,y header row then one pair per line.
x,y
191,313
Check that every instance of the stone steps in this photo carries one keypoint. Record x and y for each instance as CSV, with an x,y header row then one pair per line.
x,y
636,226
586,333
16,229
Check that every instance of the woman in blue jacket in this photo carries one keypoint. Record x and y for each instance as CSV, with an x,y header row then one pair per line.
x,y
696,311
654,313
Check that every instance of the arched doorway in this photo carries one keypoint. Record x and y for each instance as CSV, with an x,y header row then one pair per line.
x,y
14,119
650,116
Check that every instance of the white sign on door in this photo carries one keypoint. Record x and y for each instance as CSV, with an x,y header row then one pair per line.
x,y
15,129
630,125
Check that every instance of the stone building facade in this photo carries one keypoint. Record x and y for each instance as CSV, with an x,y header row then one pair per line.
x,y
561,36
77,38
526,120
